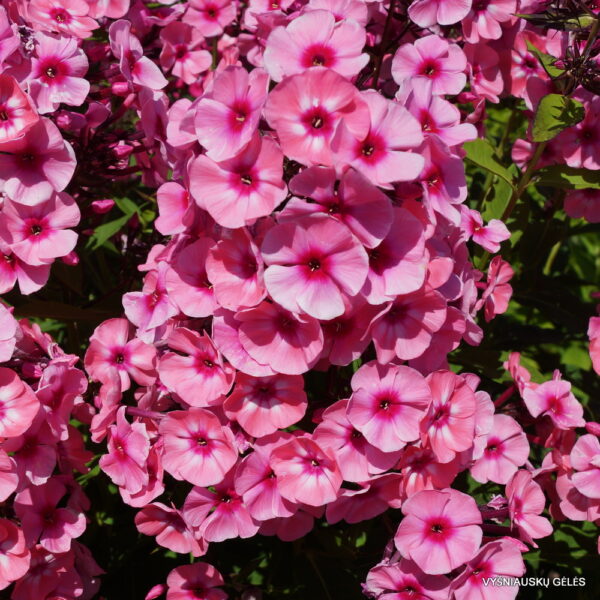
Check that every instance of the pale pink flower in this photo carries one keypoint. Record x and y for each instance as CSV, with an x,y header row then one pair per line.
x,y
440,530
274,337
128,447
593,333
210,17
198,580
483,68
196,371
15,558
181,51
525,503
500,558
305,110
169,528
237,191
450,425
262,405
403,580
356,202
585,459
135,67
311,263
358,459
235,269
554,399
501,452
485,19
41,519
306,472
8,329
17,113
388,404
197,448
187,282
68,17
314,39
426,13
219,514
40,233
498,291
18,404
9,478
404,328
36,165
112,347
227,115
341,9
174,208
381,155
57,73
488,236
10,39
422,471
113,9
434,58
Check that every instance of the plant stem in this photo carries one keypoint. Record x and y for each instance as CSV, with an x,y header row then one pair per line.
x,y
383,44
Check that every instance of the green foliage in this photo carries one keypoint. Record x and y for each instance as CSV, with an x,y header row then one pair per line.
x,y
554,114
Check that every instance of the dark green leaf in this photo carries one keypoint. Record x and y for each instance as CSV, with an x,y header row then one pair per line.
x,y
554,114
569,178
481,153
104,232
546,61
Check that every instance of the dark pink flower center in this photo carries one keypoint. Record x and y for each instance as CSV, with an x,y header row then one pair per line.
x,y
318,55
60,15
181,51
212,12
317,121
430,68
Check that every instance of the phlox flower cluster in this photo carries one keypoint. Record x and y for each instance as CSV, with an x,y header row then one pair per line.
x,y
312,224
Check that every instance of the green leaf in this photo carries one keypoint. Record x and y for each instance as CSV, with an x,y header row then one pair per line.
x,y
497,200
546,60
481,153
568,178
554,114
104,232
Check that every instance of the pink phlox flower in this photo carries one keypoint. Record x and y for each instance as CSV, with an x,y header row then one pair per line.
x,y
68,17
113,9
356,202
219,514
35,166
306,472
501,452
572,504
18,404
501,558
40,233
235,269
239,190
358,459
305,110
404,328
151,307
450,424
342,9
16,109
227,116
388,404
578,143
198,580
426,13
8,329
498,291
257,483
9,478
262,405
41,519
196,371
226,336
57,73
135,67
585,459
404,580
434,58
485,19
174,207
291,528
594,337
170,529
437,116
187,281
398,265
554,399
10,39
525,503
311,263
315,39
112,347
15,558
181,51
487,236
383,154
485,77
128,447
197,448
583,204
440,530
154,487
210,17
